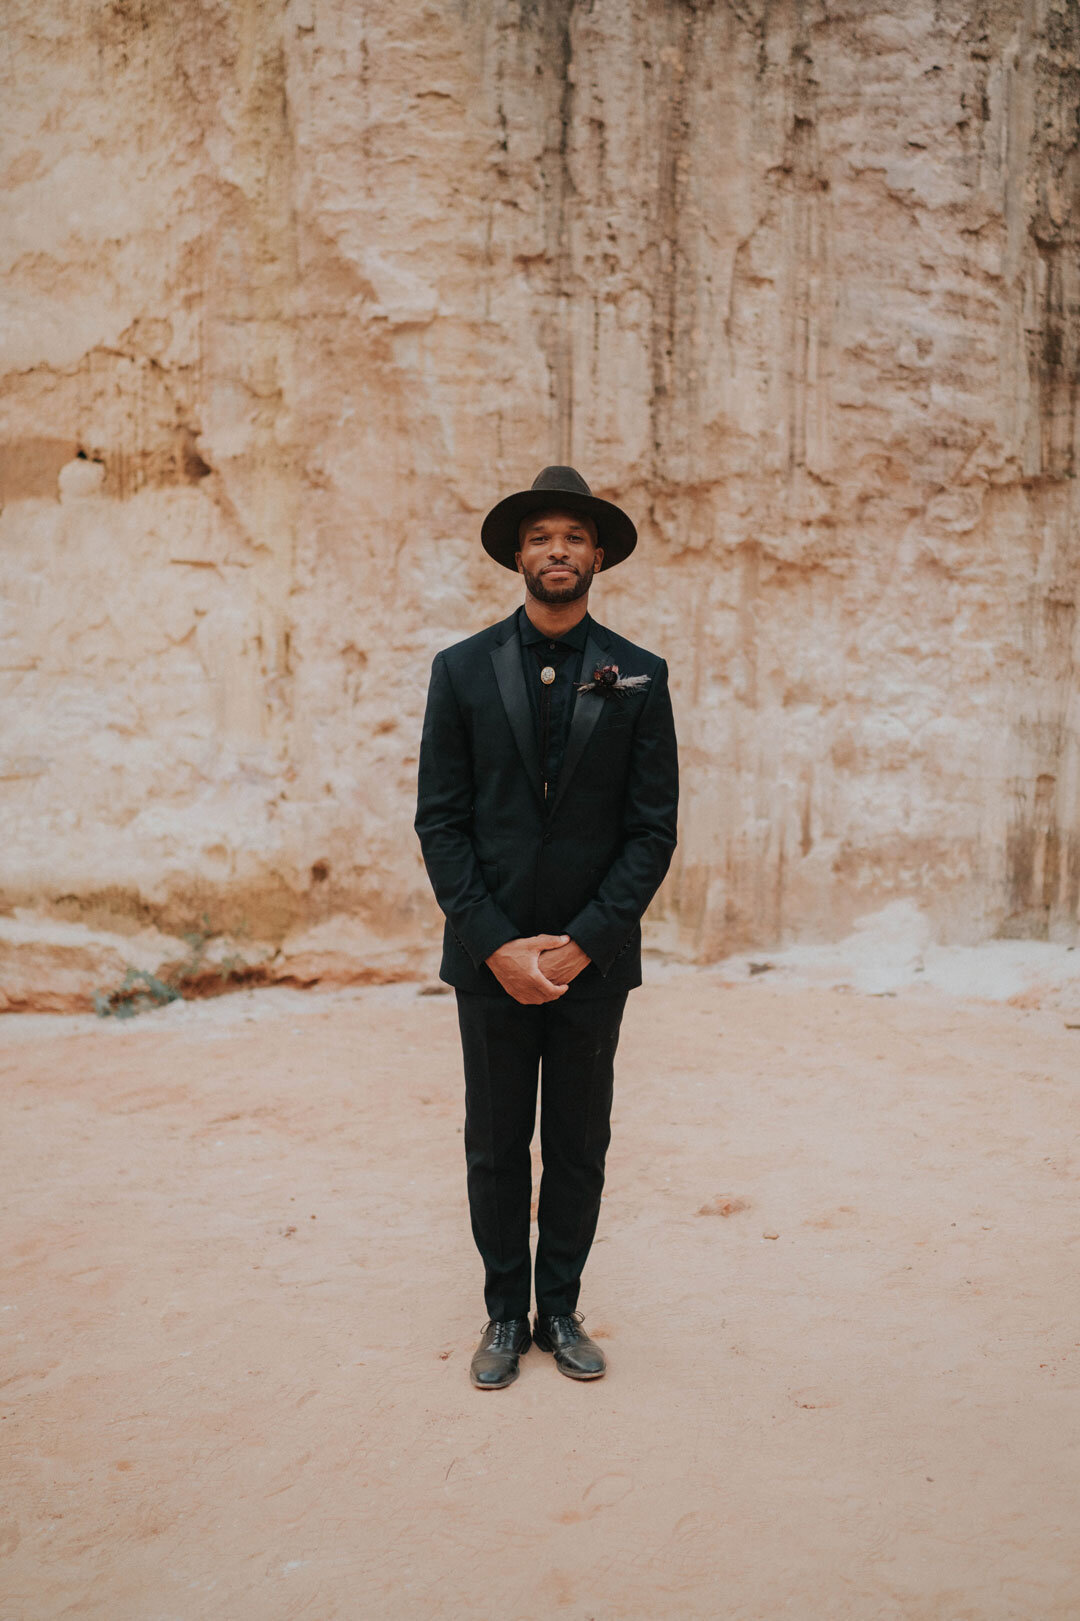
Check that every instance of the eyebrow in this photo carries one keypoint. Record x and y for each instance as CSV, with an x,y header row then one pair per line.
x,y
541,528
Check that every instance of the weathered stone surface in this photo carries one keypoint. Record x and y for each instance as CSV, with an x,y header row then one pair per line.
x,y
300,289
48,966
52,967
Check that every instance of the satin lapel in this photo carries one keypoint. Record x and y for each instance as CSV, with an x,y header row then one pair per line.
x,y
508,673
588,707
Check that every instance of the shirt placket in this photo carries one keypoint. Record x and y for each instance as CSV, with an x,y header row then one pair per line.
x,y
546,692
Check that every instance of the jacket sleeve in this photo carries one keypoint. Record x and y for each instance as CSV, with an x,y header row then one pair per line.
x,y
444,813
607,921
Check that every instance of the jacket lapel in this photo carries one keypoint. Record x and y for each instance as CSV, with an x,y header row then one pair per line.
x,y
588,707
509,675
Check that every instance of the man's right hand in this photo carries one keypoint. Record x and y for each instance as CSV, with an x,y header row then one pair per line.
x,y
517,970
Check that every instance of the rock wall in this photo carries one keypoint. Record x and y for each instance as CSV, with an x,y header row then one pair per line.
x,y
300,289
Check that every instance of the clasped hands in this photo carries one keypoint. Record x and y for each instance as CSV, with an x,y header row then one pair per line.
x,y
539,967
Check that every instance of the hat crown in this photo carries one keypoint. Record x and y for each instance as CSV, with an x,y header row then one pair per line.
x,y
564,479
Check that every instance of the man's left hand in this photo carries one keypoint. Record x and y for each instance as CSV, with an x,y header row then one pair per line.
x,y
561,964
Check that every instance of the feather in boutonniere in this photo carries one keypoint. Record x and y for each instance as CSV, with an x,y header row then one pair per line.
x,y
606,679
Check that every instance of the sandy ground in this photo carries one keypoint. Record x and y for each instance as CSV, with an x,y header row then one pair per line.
x,y
241,1295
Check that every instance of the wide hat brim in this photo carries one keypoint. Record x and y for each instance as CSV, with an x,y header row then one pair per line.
x,y
557,489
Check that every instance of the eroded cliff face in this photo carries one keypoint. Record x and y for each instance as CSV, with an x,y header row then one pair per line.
x,y
300,290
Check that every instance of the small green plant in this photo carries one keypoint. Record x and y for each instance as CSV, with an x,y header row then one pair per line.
x,y
197,940
138,992
141,992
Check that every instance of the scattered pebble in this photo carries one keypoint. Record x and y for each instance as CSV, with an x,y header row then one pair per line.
x,y
723,1205
770,1234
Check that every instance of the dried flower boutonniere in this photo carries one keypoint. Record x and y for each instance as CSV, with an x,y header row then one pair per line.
x,y
606,679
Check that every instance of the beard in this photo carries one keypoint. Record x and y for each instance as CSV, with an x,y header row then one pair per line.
x,y
569,592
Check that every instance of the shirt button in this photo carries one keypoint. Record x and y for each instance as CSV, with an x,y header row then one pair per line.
x,y
551,644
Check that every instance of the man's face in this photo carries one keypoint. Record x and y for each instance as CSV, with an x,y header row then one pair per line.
x,y
558,555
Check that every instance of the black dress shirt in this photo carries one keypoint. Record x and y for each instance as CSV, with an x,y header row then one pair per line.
x,y
552,702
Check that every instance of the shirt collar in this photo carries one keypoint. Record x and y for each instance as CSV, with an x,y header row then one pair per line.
x,y
577,636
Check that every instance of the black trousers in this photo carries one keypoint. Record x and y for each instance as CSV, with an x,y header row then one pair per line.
x,y
570,1046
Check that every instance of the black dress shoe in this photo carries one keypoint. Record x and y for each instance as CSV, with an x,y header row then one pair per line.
x,y
495,1360
576,1354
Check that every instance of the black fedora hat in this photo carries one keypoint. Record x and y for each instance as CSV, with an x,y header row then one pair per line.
x,y
557,488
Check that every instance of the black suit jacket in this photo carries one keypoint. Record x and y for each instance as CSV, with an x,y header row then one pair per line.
x,y
504,864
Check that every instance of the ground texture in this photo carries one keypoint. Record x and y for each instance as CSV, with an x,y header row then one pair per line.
x,y
240,1297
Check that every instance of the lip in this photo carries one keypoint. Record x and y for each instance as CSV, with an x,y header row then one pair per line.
x,y
557,568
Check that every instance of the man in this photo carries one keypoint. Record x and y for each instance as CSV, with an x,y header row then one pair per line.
x,y
548,789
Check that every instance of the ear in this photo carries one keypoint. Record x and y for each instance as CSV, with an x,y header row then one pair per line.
x,y
517,563
598,560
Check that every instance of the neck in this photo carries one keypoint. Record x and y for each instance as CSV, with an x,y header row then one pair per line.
x,y
555,618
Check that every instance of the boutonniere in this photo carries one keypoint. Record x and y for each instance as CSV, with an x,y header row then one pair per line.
x,y
606,679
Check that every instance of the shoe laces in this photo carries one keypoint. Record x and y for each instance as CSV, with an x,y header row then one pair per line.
x,y
566,1325
505,1333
